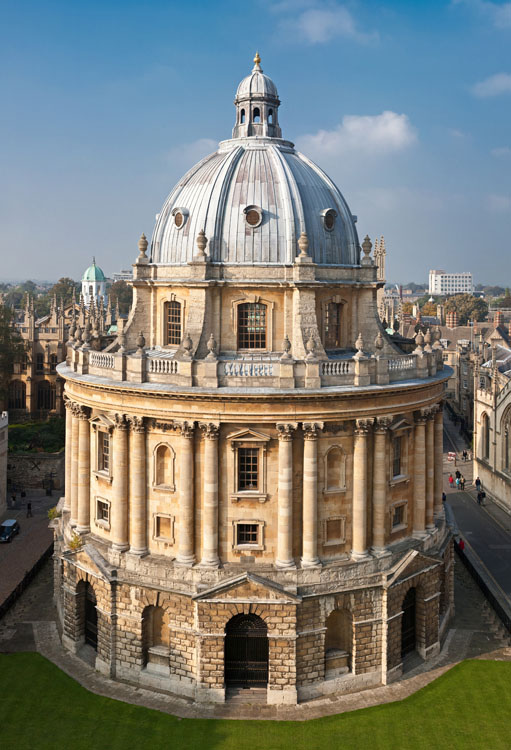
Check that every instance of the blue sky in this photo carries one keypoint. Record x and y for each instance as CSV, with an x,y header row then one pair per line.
x,y
405,104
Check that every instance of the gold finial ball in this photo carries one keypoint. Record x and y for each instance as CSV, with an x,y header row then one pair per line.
x,y
257,59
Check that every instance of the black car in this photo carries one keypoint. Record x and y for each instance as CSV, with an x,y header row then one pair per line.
x,y
9,529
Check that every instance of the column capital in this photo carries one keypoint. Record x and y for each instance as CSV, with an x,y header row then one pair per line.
x,y
137,423
82,412
421,416
211,430
165,426
311,430
67,402
382,424
120,422
185,429
285,431
363,426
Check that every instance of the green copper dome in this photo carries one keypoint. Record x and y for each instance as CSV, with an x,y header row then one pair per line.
x,y
94,273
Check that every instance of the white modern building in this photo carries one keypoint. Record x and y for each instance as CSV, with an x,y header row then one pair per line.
x,y
444,283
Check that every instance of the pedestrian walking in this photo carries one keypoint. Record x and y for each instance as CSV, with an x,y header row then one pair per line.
x,y
444,497
461,544
465,455
451,481
462,482
479,497
29,510
478,484
458,483
458,473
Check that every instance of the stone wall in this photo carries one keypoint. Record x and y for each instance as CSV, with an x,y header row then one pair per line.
x,y
30,470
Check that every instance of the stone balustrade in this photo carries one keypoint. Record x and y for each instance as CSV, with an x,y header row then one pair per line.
x,y
265,371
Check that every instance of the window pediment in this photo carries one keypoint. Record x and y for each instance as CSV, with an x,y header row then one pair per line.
x,y
102,421
248,436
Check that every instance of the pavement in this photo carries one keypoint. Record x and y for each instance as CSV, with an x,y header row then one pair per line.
x,y
22,553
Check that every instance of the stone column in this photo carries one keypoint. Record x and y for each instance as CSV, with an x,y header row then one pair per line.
x,y
69,452
120,540
419,477
359,551
210,515
380,484
83,525
138,499
439,460
186,529
430,470
285,497
354,316
74,465
310,494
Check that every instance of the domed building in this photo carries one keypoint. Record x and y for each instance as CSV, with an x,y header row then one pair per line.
x,y
253,469
93,285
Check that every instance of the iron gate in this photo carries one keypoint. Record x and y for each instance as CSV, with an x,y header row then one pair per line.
x,y
408,624
91,618
246,651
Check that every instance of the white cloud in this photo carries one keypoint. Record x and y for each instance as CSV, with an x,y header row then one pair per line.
x,y
371,134
457,133
498,13
501,152
320,22
188,154
498,203
500,83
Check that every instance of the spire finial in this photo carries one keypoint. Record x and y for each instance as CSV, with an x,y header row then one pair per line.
x,y
257,62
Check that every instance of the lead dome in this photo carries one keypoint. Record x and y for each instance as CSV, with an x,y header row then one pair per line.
x,y
255,195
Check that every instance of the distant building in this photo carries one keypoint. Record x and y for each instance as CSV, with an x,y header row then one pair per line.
x,y
444,283
123,275
4,428
93,285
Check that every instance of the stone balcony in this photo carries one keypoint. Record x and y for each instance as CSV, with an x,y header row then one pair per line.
x,y
265,370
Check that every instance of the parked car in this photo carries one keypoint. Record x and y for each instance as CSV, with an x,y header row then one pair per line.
x,y
9,529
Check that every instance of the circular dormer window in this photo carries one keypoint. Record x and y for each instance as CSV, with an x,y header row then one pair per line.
x,y
329,217
180,216
253,216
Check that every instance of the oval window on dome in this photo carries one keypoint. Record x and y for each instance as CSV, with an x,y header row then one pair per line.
x,y
329,216
180,215
178,219
253,215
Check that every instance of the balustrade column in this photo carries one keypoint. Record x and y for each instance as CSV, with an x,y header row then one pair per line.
x,y
69,453
419,478
285,497
74,465
359,551
120,485
210,515
138,499
439,460
186,530
379,484
430,471
83,525
310,494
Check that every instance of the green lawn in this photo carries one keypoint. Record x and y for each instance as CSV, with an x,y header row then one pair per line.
x,y
41,707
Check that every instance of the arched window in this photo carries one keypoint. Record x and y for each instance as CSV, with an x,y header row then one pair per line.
x,y
270,116
335,469
91,293
46,395
242,116
164,467
333,325
173,334
485,423
338,642
256,115
17,395
252,325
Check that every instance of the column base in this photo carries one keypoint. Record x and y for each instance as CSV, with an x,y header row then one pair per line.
x,y
422,534
314,563
431,528
185,560
283,564
380,552
212,563
118,547
360,556
82,530
139,551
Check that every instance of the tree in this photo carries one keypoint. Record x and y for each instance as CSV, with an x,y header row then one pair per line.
x,y
122,292
12,349
429,308
407,308
64,289
468,308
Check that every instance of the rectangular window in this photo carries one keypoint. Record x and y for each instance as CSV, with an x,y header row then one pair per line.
x,y
247,533
398,516
252,326
248,469
39,363
163,527
104,452
103,511
396,456
335,530
173,331
333,326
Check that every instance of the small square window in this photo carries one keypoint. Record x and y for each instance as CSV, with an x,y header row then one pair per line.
x,y
103,511
334,530
164,528
398,515
247,533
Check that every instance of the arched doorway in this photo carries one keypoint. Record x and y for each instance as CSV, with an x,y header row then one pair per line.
x,y
246,652
408,624
91,617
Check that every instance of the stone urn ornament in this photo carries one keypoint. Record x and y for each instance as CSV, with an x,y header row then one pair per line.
x,y
419,343
286,347
359,344
187,346
211,345
140,342
310,346
378,344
